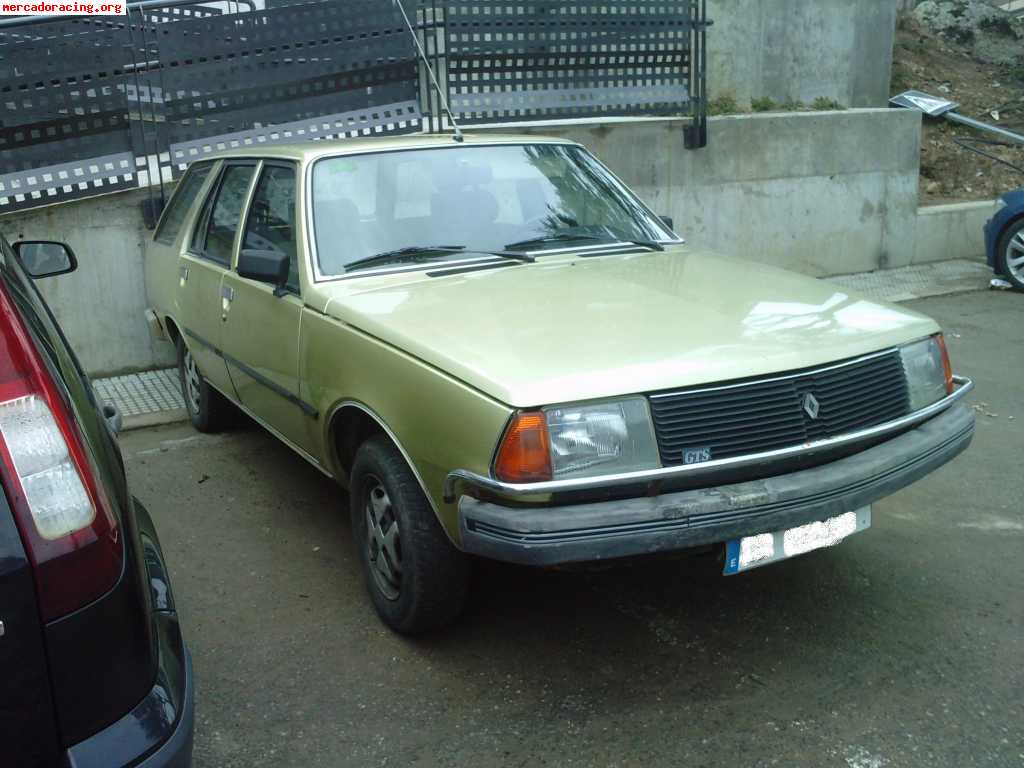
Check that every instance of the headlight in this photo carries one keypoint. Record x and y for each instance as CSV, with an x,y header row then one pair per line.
x,y
601,439
929,376
1000,204
570,441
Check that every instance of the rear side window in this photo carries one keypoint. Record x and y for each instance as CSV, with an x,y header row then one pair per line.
x,y
181,202
215,234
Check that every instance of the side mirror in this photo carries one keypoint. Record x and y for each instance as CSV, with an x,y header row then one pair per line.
x,y
264,266
667,221
45,258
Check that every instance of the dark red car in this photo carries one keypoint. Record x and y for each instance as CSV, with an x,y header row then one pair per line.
x,y
93,670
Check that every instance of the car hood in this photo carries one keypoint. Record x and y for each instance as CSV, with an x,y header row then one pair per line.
x,y
565,329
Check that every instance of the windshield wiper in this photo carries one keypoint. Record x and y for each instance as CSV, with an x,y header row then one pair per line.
x,y
566,238
418,253
653,245
399,255
556,238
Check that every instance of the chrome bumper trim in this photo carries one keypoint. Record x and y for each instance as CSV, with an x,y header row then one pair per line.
x,y
461,479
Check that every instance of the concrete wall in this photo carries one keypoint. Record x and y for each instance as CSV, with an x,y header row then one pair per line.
x,y
820,193
945,229
802,49
100,306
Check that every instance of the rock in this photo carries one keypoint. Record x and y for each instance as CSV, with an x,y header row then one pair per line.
x,y
932,188
994,35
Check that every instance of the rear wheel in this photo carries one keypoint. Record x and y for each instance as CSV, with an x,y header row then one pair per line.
x,y
207,409
1010,254
416,578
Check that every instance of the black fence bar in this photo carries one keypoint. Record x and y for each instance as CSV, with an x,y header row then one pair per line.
x,y
696,135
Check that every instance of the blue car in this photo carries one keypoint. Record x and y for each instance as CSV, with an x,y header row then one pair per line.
x,y
1004,238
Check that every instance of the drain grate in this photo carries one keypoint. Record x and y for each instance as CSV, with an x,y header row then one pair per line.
x,y
140,394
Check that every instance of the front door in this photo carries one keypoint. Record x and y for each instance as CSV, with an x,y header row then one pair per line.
x,y
202,268
261,332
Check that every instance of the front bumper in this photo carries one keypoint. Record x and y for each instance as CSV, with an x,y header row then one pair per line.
x,y
692,518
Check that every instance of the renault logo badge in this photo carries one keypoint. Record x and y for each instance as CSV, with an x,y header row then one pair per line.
x,y
811,405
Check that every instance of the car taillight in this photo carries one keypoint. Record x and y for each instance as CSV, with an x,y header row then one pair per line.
x,y
66,523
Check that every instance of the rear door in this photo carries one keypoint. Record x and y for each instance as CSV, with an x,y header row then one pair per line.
x,y
163,253
201,294
261,333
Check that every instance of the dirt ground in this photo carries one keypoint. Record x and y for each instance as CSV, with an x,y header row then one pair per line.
x,y
925,61
900,648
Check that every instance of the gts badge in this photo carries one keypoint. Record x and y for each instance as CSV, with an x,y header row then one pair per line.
x,y
696,455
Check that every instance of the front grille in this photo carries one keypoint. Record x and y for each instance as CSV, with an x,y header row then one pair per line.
x,y
750,417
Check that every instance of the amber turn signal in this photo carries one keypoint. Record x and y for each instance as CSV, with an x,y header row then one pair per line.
x,y
525,452
946,366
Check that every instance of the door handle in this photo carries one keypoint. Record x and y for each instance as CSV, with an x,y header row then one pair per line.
x,y
183,275
227,295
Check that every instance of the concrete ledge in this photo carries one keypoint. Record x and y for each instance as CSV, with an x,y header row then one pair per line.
x,y
951,231
821,193
154,419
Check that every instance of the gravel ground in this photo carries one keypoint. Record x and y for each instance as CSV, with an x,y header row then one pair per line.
x,y
901,647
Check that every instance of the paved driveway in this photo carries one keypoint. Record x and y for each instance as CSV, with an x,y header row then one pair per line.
x,y
902,647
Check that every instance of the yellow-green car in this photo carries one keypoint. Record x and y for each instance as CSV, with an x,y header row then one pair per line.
x,y
502,352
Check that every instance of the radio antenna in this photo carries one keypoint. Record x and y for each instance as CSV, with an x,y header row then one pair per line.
x,y
430,71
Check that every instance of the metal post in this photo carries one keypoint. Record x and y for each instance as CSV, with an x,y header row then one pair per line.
x,y
955,117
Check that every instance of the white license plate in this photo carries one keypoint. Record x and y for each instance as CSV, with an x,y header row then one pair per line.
x,y
755,551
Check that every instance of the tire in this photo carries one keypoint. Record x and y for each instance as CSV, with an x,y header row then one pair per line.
x,y
416,578
1011,246
207,409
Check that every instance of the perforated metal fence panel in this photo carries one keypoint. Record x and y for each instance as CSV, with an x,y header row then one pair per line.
x,y
289,71
65,123
92,105
513,60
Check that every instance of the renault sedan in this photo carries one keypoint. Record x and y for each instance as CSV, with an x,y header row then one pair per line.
x,y
500,351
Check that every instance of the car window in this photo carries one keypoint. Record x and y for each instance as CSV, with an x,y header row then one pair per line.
x,y
181,202
215,235
484,198
271,224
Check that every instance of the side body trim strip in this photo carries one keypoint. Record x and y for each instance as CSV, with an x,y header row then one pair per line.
x,y
273,386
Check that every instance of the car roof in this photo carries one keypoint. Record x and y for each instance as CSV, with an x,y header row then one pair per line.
x,y
312,150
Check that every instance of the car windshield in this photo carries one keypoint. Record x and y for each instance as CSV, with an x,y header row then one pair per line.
x,y
492,198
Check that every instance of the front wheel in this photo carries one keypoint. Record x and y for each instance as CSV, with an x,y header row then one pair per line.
x,y
416,578
1010,254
